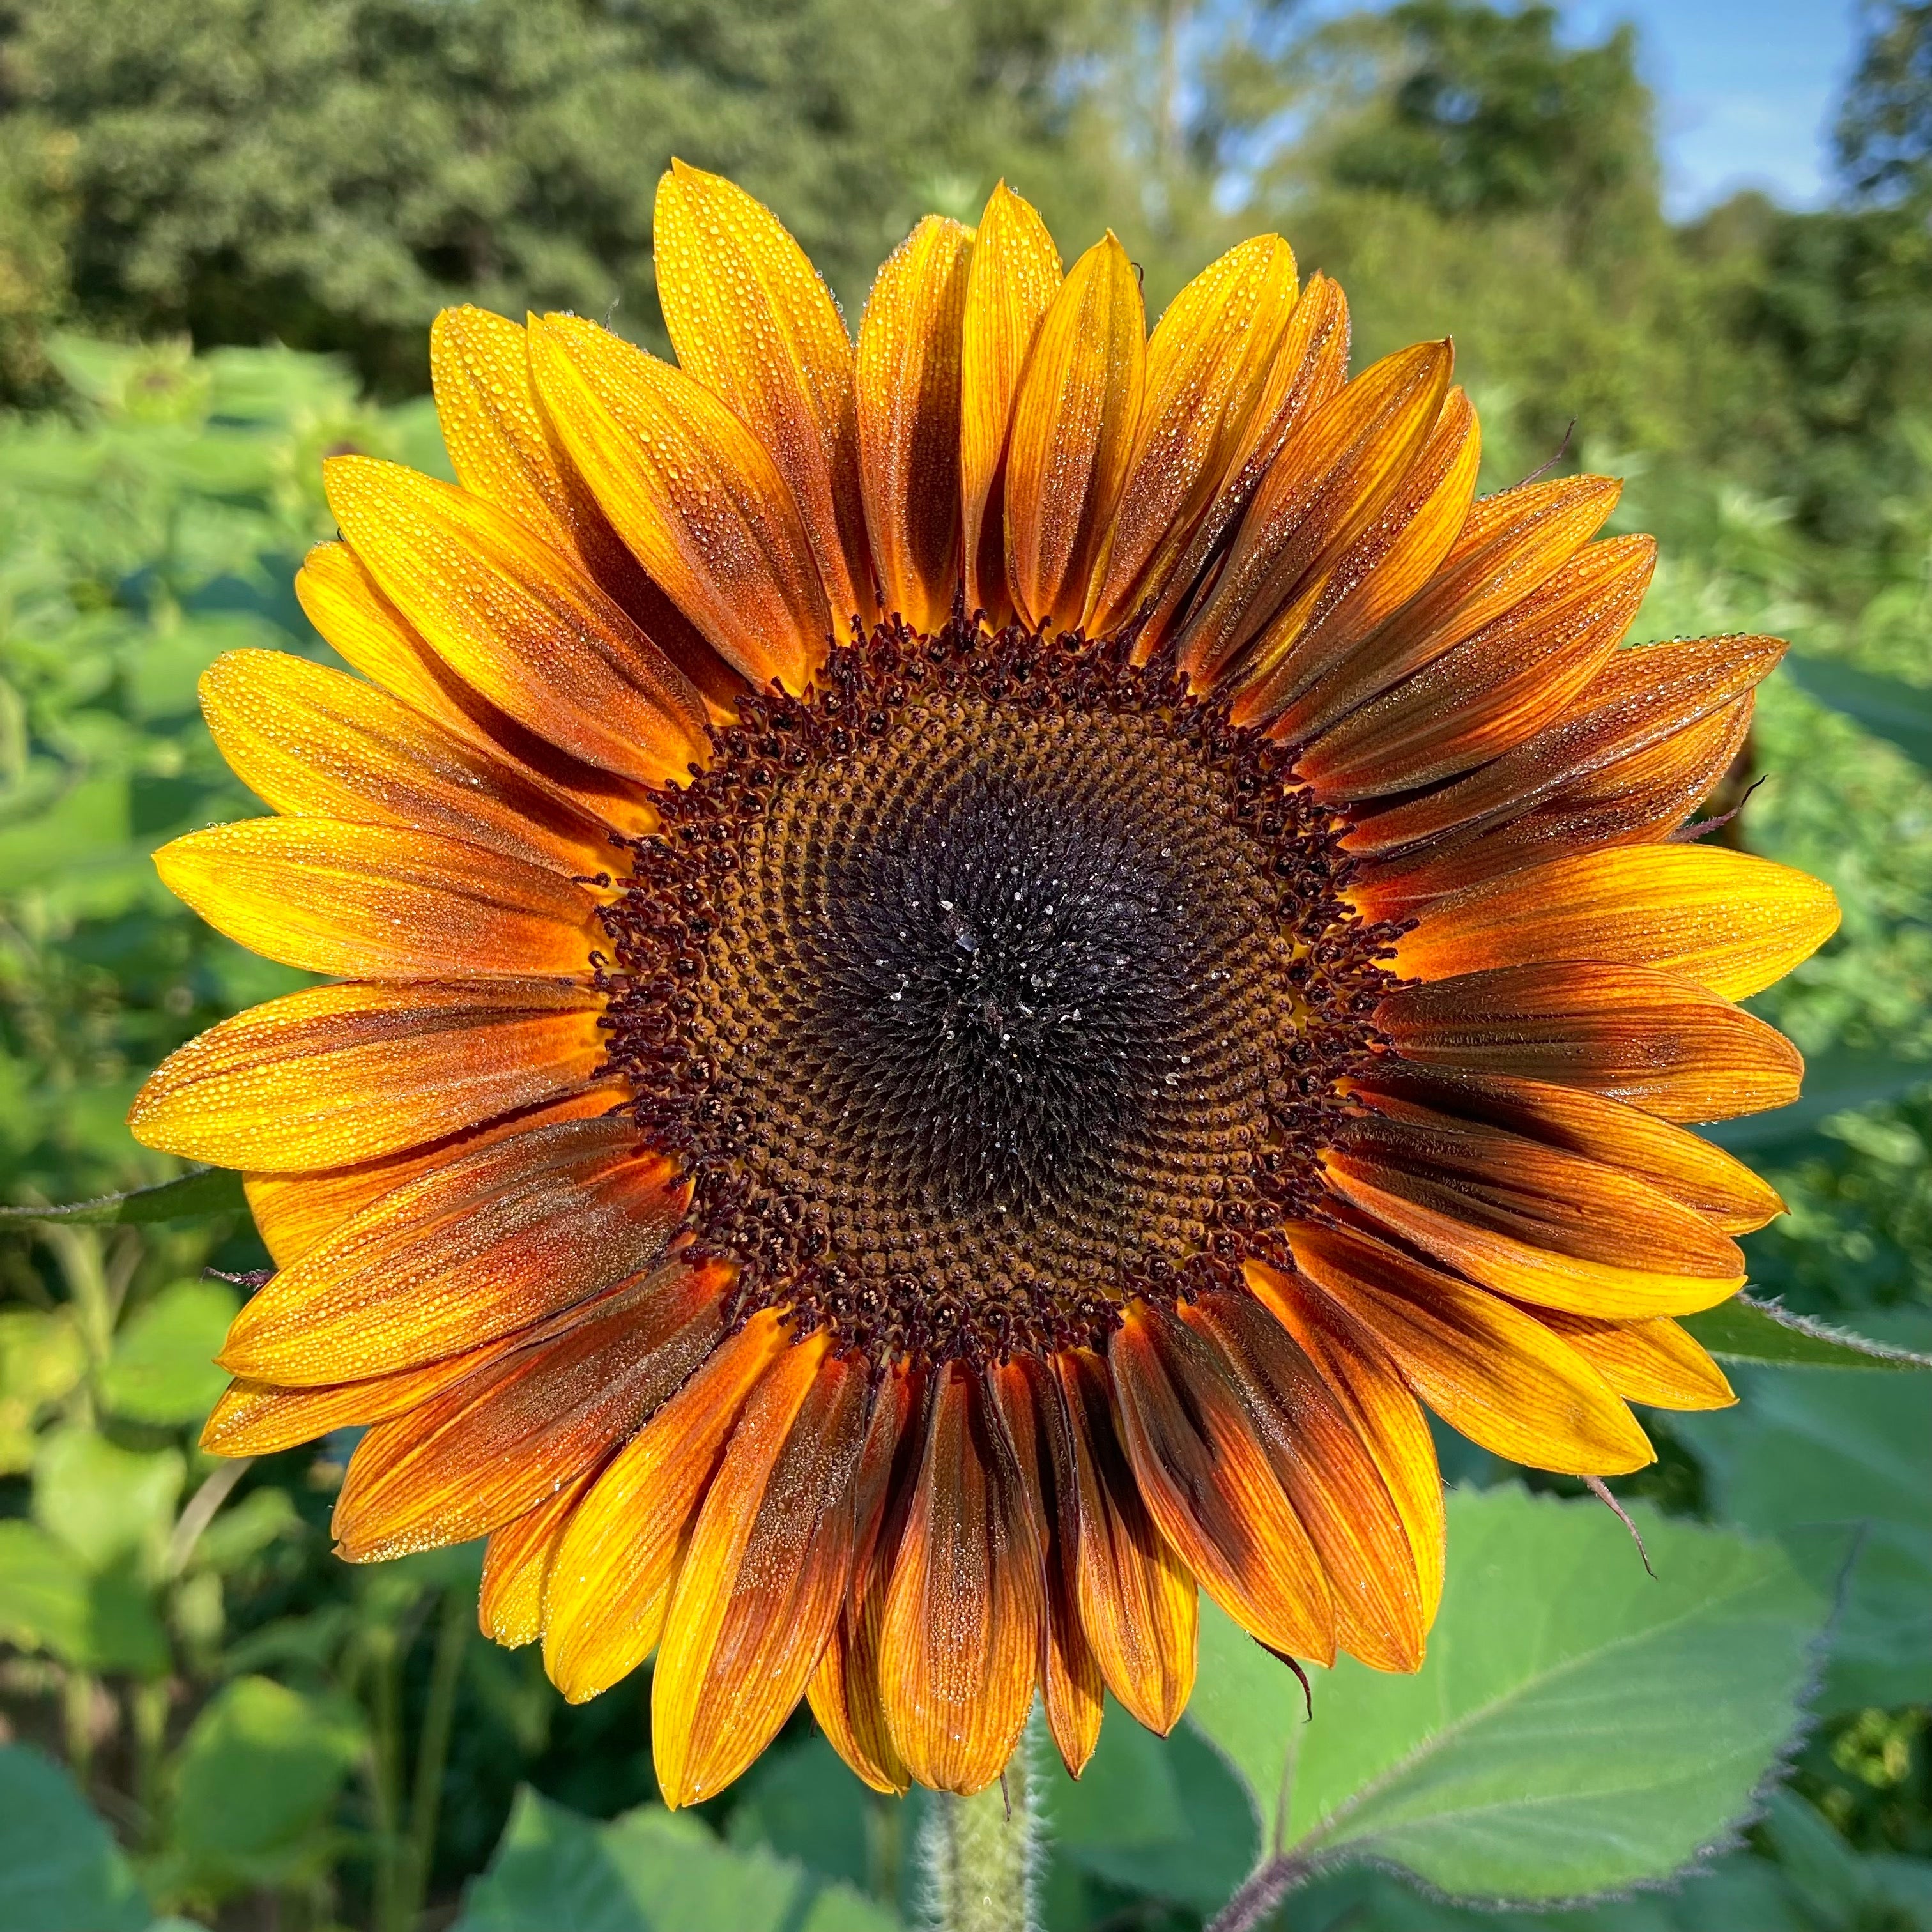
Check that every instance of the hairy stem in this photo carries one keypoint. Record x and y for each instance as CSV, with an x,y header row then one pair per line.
x,y
1257,1900
980,1854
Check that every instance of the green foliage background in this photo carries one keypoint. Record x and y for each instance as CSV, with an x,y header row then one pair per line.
x,y
224,229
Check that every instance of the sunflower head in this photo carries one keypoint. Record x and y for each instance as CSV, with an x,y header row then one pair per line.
x,y
959,972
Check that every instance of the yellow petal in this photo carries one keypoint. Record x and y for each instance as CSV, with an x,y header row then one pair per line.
x,y
1488,1369
528,627
1014,273
690,490
610,1584
1728,921
1350,590
517,1564
1654,1361
1308,365
311,742
908,401
375,902
765,1576
751,319
1335,476
504,450
335,1074
294,1212
1207,362
1074,414
479,1248
343,602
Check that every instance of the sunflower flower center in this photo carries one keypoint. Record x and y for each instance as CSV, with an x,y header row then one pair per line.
x,y
996,981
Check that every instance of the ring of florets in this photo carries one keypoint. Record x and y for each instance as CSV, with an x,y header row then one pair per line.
x,y
993,981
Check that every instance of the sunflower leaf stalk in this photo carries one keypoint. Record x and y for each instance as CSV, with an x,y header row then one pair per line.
x,y
981,1854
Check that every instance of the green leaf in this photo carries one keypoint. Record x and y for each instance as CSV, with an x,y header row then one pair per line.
x,y
258,1773
1162,1816
1743,1330
1833,1083
802,1801
107,1505
49,1601
1886,707
1579,1725
60,1869
1833,1462
650,1871
42,1358
163,1369
198,1196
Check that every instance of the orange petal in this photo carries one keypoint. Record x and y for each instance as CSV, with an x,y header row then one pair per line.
x,y
1308,365
333,1073
844,1691
254,1418
345,603
525,624
1488,1369
1510,545
1548,1195
1353,586
1362,1378
692,493
1640,699
750,318
294,1211
1336,476
766,1575
496,1445
1629,1033
1329,1477
1728,920
1654,1361
517,1564
1508,1245
479,1248
504,450
908,404
375,901
311,742
959,1648
1637,799
1206,1478
1137,1600
1207,363
609,1583
1493,690
1717,1184
1070,1679
1074,414
1014,275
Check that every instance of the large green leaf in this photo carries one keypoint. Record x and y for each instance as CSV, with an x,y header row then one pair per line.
x,y
163,1367
198,1196
1157,1816
1834,1462
650,1871
102,1621
60,1869
109,1505
1742,1329
1886,707
1579,1725
258,1770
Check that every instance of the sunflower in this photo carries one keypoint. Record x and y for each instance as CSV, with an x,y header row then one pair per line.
x,y
960,973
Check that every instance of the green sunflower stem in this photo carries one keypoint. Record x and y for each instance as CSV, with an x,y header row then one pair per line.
x,y
982,1853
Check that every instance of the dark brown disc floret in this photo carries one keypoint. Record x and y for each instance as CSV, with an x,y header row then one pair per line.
x,y
994,981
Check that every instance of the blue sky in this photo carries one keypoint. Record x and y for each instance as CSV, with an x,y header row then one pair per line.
x,y
1745,88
